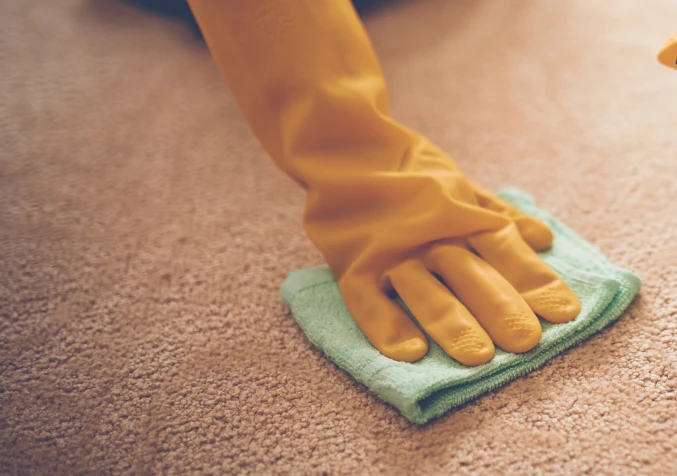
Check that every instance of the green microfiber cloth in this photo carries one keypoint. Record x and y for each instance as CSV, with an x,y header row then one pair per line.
x,y
437,383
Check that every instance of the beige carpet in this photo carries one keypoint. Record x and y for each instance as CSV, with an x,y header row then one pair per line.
x,y
144,236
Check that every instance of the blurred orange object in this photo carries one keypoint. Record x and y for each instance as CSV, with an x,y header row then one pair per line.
x,y
668,54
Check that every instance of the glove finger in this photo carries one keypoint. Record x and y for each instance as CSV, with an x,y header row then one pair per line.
x,y
383,321
545,292
441,314
537,234
496,305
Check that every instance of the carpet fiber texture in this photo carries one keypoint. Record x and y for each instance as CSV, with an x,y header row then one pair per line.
x,y
144,236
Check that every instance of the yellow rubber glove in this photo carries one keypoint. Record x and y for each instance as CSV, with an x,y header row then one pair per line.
x,y
668,54
389,211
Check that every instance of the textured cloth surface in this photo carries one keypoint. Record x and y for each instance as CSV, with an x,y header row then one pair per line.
x,y
437,383
144,236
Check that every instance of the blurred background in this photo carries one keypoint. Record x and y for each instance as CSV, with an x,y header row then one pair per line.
x,y
180,11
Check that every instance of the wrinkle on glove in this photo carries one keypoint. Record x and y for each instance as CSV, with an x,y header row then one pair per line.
x,y
437,383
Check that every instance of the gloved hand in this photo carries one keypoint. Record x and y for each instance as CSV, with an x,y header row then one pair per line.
x,y
389,211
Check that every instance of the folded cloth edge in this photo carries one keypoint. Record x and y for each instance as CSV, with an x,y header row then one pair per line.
x,y
436,399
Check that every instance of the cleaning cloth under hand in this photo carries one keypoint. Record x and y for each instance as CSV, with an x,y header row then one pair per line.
x,y
437,383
